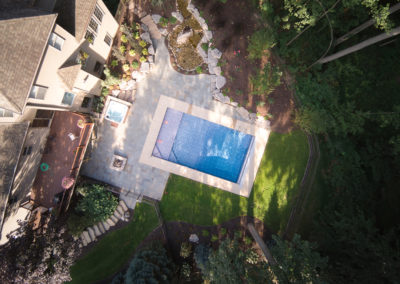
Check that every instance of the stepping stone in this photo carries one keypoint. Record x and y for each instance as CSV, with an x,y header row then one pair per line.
x,y
101,228
91,234
122,203
84,242
216,53
146,37
110,222
217,70
117,215
105,225
221,81
156,18
114,219
96,230
120,210
86,236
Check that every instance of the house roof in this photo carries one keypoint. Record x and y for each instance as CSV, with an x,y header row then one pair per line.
x,y
12,137
23,38
68,74
74,15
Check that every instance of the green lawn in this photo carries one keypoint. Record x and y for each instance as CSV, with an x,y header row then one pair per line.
x,y
112,252
273,193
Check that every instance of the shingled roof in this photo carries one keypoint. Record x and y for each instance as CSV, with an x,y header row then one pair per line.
x,y
12,137
68,74
74,15
23,39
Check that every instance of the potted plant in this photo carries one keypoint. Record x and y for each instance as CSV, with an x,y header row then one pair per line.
x,y
67,182
81,123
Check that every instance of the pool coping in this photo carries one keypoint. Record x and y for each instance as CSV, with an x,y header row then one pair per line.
x,y
249,172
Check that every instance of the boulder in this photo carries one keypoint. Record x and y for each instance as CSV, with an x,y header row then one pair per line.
x,y
96,230
234,104
243,112
105,225
146,37
215,53
114,218
145,67
178,16
151,50
120,210
208,35
101,227
253,116
86,236
137,76
193,238
144,27
163,32
217,70
123,204
117,215
220,83
91,234
110,222
156,18
84,242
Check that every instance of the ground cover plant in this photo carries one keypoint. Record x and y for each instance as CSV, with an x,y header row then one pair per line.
x,y
111,253
272,196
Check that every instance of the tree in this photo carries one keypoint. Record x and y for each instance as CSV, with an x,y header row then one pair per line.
x,y
150,265
36,257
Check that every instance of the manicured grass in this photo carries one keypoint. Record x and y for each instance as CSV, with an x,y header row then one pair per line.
x,y
111,253
273,193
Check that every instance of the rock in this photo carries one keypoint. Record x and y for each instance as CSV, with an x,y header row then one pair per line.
x,y
131,85
101,228
117,215
123,85
193,238
105,225
120,210
123,205
96,230
145,68
146,37
110,222
202,53
91,234
151,60
204,27
178,16
114,218
234,104
86,236
243,112
151,50
144,27
184,35
253,116
221,81
137,76
215,53
190,7
217,70
263,123
220,97
163,32
156,18
212,60
208,35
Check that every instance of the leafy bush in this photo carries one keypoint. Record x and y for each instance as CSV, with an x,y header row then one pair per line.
x,y
97,203
267,80
136,35
135,64
132,52
124,39
125,67
199,70
248,241
142,59
118,54
142,43
77,224
172,20
204,46
223,231
157,3
122,49
186,249
214,238
163,22
111,78
260,42
145,51
114,63
185,272
205,233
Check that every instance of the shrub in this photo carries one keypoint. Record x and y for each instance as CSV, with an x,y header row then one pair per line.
x,y
124,39
114,63
135,64
142,59
199,70
77,224
122,49
260,103
118,54
185,272
266,80
125,67
223,231
97,203
260,41
186,249
248,241
142,43
145,51
136,35
132,52
111,78
172,20
214,238
204,46
205,233
163,22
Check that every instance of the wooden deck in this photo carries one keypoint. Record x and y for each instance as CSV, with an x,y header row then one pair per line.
x,y
63,156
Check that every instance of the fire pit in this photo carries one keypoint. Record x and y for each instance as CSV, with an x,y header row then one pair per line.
x,y
118,163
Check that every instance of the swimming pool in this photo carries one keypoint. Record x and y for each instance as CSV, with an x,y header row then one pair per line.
x,y
202,145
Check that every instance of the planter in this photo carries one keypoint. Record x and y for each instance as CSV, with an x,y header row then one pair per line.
x,y
67,182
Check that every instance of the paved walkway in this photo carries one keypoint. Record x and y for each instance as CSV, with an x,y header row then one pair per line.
x,y
128,139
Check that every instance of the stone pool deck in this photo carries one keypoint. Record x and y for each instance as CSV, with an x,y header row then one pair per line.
x,y
129,138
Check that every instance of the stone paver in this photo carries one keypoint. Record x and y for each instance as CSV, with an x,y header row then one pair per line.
x,y
128,139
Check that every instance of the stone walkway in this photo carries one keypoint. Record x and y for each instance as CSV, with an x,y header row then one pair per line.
x,y
128,139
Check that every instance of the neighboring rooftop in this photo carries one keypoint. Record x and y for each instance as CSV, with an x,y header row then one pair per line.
x,y
12,137
23,38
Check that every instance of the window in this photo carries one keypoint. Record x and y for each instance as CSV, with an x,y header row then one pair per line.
x,y
89,36
86,102
108,39
38,92
97,67
98,13
27,151
56,41
6,113
93,25
68,99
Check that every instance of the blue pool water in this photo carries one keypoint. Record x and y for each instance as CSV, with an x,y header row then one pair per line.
x,y
202,145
